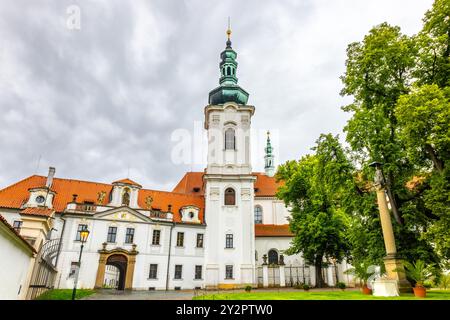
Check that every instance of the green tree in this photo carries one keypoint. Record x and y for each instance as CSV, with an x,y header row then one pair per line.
x,y
424,119
378,72
433,42
318,222
424,124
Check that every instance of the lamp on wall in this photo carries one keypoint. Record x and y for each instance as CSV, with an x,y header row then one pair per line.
x,y
84,234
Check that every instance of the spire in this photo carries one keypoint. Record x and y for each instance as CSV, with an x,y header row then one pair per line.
x,y
229,34
269,167
229,90
268,146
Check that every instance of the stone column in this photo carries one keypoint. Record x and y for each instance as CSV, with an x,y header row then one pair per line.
x,y
265,269
386,223
130,272
282,276
100,271
393,265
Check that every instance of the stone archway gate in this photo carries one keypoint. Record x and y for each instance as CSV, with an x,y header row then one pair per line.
x,y
105,254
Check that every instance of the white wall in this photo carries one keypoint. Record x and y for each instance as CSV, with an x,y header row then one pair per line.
x,y
188,256
264,244
274,211
10,215
16,265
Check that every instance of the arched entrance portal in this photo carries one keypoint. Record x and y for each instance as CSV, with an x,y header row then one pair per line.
x,y
123,260
119,261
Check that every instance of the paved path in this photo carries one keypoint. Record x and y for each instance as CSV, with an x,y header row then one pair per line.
x,y
141,295
109,294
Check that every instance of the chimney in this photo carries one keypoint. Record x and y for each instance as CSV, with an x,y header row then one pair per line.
x,y
51,174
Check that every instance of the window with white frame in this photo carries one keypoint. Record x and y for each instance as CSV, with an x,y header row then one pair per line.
x,y
229,241
228,272
153,271
156,237
258,214
198,272
81,227
230,139
178,271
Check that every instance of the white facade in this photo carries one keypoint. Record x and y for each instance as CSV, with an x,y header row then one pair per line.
x,y
16,265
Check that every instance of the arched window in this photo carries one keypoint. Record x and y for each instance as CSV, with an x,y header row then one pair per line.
x,y
230,197
228,71
229,139
273,256
258,214
126,197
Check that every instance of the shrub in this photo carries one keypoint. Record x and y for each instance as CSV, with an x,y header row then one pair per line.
x,y
248,288
418,272
341,285
361,271
298,286
445,281
306,287
428,285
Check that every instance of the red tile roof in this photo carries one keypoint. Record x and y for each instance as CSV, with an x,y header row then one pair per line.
x,y
272,230
3,220
190,181
128,181
38,212
265,186
162,200
17,194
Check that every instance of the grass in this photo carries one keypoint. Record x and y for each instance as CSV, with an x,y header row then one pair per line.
x,y
64,294
319,295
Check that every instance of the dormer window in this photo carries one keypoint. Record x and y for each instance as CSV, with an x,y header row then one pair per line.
x,y
40,199
190,214
126,197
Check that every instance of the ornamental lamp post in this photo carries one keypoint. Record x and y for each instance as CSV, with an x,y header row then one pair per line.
x,y
393,264
84,234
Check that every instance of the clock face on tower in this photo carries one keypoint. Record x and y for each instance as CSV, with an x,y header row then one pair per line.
x,y
40,199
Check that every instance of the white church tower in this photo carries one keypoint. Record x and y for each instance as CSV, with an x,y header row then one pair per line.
x,y
229,183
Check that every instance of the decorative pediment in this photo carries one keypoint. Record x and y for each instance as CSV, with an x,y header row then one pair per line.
x,y
122,214
190,214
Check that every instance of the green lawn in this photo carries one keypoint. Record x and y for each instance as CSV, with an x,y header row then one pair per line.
x,y
64,294
318,295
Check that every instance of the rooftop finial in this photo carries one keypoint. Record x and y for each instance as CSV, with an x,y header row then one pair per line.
x,y
229,29
229,34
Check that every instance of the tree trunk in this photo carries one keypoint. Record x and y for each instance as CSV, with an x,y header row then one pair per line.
x,y
318,268
436,161
392,201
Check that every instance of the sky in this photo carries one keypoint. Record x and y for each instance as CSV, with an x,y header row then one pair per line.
x,y
103,90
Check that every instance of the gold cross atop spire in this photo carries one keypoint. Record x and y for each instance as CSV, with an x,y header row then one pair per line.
x,y
229,29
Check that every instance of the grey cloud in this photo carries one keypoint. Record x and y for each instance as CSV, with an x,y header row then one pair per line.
x,y
96,101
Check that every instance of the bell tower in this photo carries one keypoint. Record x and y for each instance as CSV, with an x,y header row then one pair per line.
x,y
229,183
269,166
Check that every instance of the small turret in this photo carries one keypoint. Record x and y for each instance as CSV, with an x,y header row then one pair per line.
x,y
269,167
